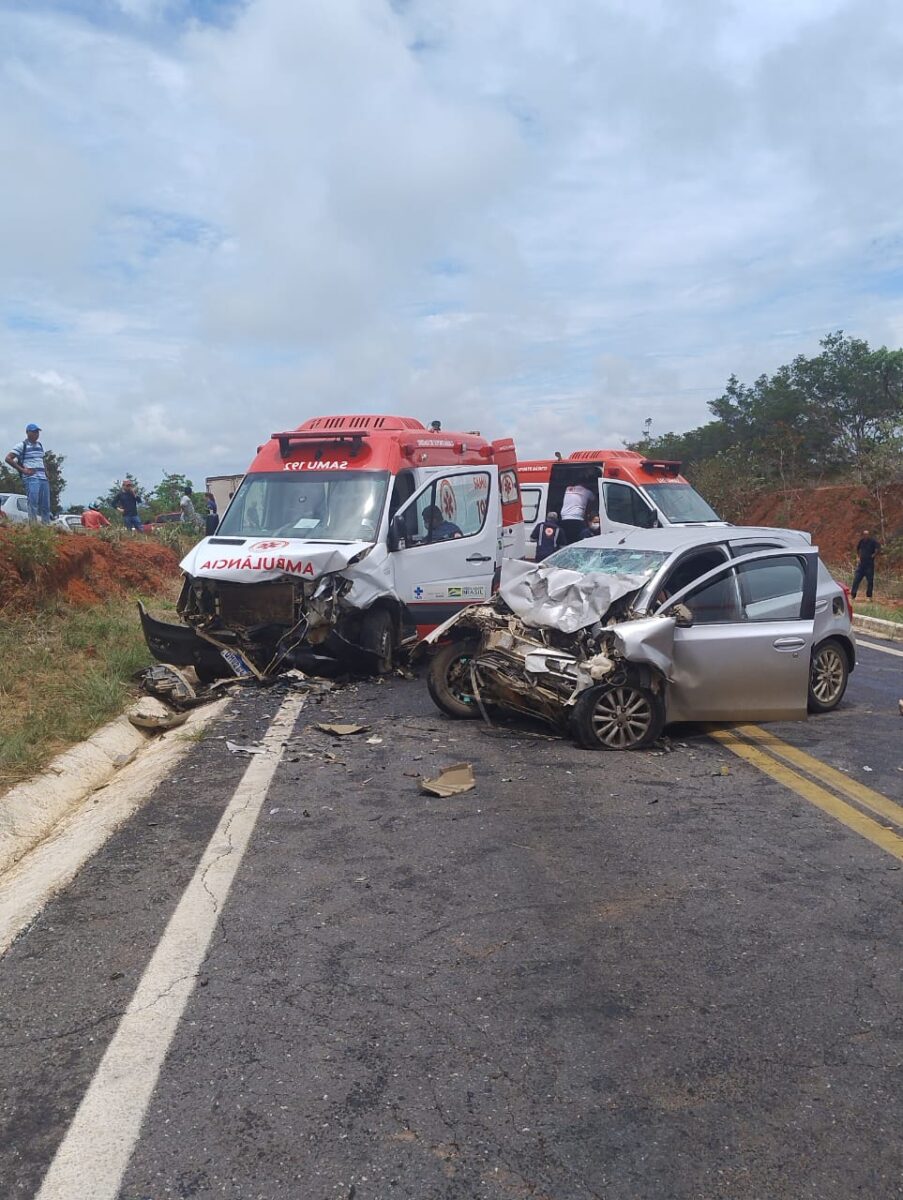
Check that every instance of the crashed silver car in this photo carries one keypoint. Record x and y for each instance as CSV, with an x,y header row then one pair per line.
x,y
614,637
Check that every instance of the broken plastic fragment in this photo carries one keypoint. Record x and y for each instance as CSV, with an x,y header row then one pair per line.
x,y
153,715
451,782
234,748
342,730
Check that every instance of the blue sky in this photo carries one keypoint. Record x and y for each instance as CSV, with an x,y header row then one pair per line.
x,y
551,221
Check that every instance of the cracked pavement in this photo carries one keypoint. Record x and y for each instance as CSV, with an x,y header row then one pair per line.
x,y
596,975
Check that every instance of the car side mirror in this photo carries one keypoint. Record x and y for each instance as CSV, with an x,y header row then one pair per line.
x,y
396,536
683,618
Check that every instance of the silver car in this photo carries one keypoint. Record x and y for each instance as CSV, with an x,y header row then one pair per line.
x,y
14,507
616,636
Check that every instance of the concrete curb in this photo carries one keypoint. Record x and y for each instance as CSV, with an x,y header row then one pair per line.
x,y
30,810
877,627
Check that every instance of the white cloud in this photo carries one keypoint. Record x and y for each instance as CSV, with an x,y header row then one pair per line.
x,y
551,220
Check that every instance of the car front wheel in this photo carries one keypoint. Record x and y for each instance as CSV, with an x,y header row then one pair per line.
x,y
828,675
449,683
618,717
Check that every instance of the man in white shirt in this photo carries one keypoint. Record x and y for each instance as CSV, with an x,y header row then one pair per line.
x,y
573,512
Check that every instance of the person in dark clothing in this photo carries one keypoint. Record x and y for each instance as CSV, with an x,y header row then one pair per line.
x,y
867,550
546,534
212,519
127,503
437,528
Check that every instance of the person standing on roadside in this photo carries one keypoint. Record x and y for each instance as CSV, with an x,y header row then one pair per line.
x,y
28,459
189,512
212,520
577,499
127,503
867,550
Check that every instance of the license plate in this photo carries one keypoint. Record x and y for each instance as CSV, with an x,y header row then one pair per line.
x,y
237,663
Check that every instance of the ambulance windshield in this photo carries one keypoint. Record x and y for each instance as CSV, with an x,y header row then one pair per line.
x,y
318,506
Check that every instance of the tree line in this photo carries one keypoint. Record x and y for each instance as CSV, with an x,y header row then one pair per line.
x,y
836,417
160,498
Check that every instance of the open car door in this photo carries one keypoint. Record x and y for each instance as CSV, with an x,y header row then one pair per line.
x,y
439,570
746,654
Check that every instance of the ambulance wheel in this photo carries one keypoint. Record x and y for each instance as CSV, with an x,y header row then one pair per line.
x,y
621,717
448,681
378,639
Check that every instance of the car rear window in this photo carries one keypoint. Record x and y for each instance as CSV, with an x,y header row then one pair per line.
x,y
607,560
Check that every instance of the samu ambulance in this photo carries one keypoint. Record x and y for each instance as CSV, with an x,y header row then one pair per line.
x,y
633,490
348,536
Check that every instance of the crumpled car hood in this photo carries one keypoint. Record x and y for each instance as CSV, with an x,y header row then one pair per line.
x,y
559,599
257,559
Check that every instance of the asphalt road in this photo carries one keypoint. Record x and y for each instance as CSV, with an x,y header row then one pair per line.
x,y
630,976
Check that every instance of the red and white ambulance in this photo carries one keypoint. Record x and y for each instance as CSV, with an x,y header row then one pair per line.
x,y
348,536
633,490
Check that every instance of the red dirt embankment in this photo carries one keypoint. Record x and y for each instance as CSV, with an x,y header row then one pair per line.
x,y
82,569
835,516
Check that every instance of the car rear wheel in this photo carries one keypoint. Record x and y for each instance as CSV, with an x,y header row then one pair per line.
x,y
828,676
448,681
617,717
378,639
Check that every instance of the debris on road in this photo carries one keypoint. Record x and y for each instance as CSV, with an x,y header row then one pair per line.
x,y
374,741
452,781
341,730
153,716
169,684
234,748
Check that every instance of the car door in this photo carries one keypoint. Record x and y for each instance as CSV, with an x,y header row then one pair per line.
x,y
622,507
746,654
435,578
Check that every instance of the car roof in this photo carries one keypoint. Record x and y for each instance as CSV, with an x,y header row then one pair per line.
x,y
672,538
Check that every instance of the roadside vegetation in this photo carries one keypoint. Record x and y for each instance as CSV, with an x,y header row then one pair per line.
x,y
64,671
70,638
831,420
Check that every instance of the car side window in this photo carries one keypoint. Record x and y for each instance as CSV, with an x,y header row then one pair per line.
x,y
772,590
453,507
626,506
530,498
694,566
717,602
22,504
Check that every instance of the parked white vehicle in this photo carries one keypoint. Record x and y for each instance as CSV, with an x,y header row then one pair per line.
x,y
14,507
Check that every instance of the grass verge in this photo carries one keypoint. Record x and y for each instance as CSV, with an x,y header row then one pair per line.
x,y
64,671
863,608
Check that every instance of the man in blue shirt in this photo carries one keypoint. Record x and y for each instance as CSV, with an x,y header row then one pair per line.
x,y
28,459
437,528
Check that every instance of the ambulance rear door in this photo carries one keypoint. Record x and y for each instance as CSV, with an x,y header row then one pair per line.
x,y
445,544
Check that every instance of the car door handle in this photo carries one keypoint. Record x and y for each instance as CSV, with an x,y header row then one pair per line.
x,y
789,643
479,558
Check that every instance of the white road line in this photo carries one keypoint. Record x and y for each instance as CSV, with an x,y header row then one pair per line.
x,y
875,646
93,1156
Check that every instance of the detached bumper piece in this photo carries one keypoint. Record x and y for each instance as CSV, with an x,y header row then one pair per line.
x,y
178,644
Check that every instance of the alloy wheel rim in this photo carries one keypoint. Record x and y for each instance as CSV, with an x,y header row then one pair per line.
x,y
459,679
827,675
622,717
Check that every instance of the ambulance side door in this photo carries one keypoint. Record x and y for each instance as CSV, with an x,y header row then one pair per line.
x,y
445,543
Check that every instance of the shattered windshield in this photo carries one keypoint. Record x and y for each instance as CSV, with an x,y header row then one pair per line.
x,y
680,502
319,506
607,560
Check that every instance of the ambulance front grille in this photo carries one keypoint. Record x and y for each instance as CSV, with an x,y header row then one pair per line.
x,y
256,603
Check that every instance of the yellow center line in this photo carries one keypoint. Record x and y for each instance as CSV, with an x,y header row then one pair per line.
x,y
867,827
851,788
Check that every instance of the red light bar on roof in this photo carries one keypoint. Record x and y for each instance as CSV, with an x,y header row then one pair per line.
x,y
664,466
312,438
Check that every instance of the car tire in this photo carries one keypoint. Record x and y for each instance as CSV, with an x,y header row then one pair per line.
x,y
829,672
378,639
618,717
448,680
